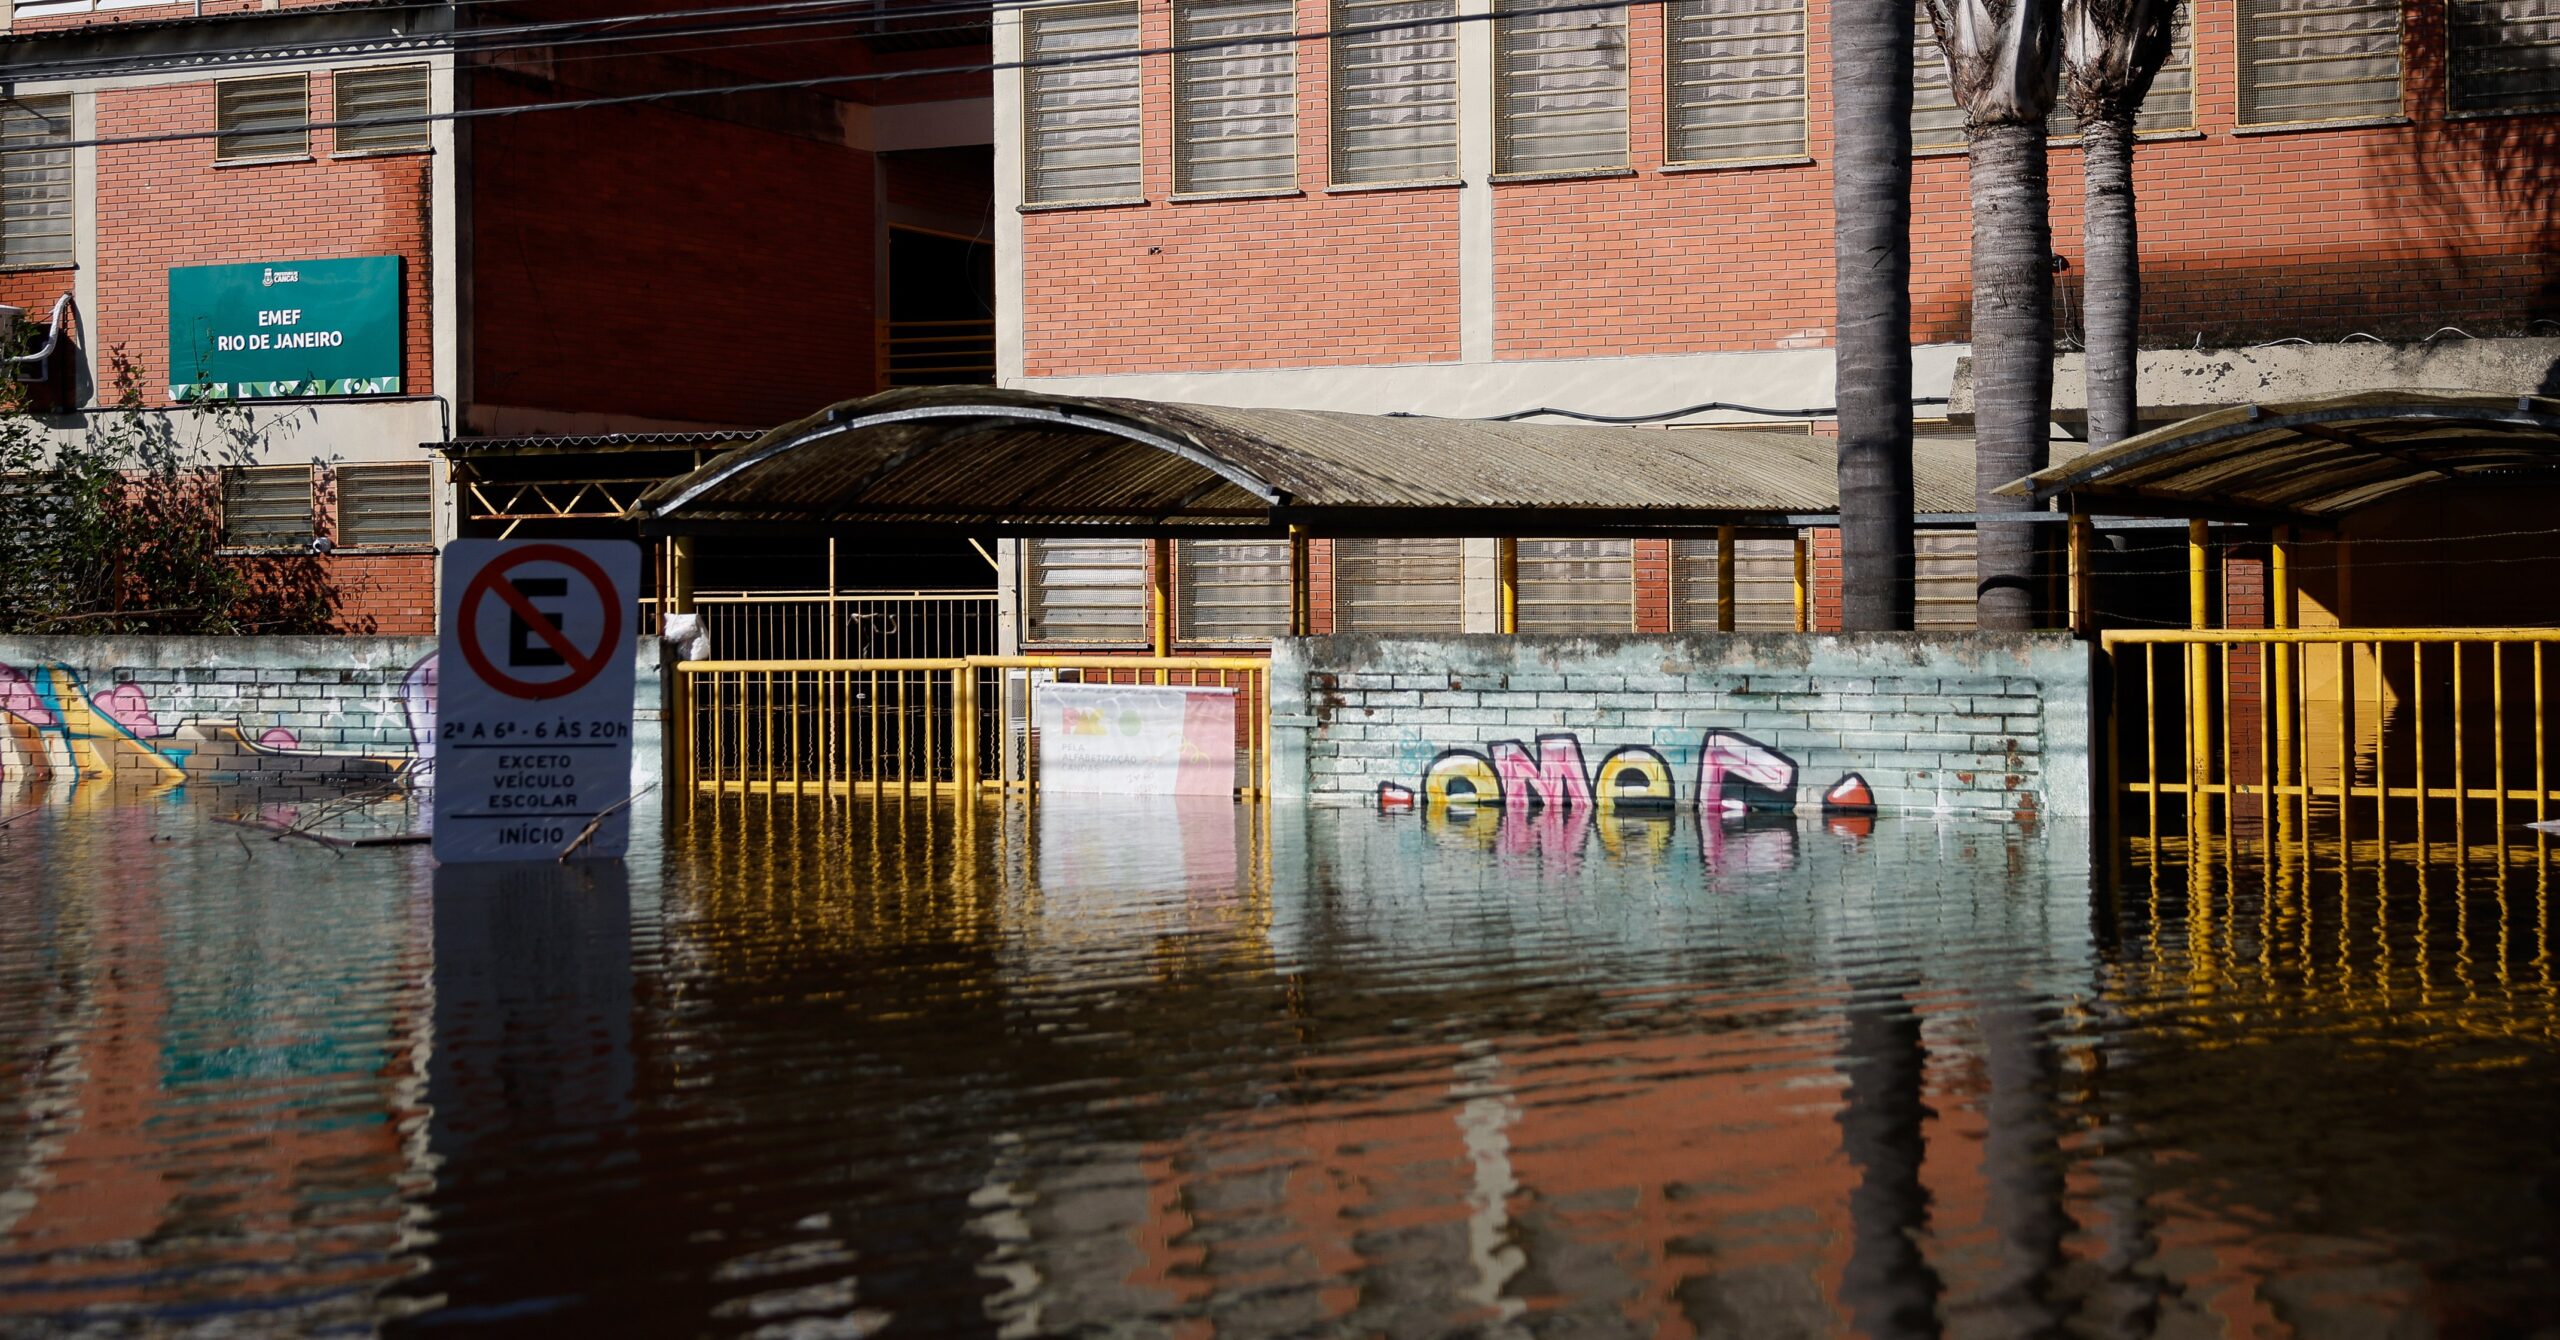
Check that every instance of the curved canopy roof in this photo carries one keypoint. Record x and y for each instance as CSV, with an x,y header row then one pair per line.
x,y
2310,459
1019,462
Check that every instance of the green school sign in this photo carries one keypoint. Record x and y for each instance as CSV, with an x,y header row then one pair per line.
x,y
286,328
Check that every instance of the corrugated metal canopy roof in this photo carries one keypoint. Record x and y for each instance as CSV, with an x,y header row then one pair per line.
x,y
540,443
1021,462
2310,459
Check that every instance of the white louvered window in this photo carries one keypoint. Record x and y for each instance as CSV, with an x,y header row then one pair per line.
x,y
1235,108
2504,55
1575,586
1231,592
1945,577
398,92
2305,61
1764,584
1084,591
385,504
262,118
1561,88
266,506
2170,106
1399,586
1937,123
1736,81
1080,104
1395,92
35,182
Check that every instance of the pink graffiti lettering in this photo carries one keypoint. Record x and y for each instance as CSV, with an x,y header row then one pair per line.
x,y
19,699
1556,778
277,737
128,706
1739,756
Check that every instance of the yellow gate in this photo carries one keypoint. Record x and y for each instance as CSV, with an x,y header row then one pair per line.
x,y
2375,730
914,727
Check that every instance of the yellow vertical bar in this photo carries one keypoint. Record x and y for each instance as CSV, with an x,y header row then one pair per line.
x,y
719,707
2151,735
1301,598
2418,720
2279,655
2346,754
2111,811
2077,560
1804,589
2199,690
964,718
901,677
2541,779
2228,779
2381,773
1160,584
2461,791
1506,562
796,778
2498,737
1724,579
872,697
772,766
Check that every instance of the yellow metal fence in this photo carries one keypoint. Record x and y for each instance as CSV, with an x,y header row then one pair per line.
x,y
916,727
2379,731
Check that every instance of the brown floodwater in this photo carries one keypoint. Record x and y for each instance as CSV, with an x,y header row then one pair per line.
x,y
1135,1069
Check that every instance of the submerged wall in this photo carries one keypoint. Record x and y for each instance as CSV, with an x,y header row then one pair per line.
x,y
1985,724
154,713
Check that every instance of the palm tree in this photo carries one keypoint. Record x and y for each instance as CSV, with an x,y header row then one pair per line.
x,y
2111,51
2004,59
1871,278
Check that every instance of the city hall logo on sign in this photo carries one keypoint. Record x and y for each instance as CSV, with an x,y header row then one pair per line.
x,y
268,330
533,720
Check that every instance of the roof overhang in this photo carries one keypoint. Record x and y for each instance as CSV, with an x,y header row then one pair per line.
x,y
2309,461
1003,462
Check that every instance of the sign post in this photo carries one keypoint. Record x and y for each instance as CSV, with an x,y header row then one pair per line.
x,y
533,718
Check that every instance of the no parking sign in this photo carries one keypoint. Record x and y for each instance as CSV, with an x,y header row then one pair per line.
x,y
533,712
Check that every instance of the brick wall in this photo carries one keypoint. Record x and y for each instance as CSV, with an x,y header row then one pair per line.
x,y
1977,723
164,205
393,595
2393,230
642,261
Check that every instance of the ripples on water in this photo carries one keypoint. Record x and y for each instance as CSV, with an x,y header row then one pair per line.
x,y
1112,1069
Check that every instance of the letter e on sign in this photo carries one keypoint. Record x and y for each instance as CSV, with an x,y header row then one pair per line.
x,y
533,719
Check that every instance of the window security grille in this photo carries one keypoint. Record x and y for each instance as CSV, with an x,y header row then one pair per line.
x,y
35,182
266,506
1561,89
2169,107
1080,132
1231,592
1235,107
1399,586
1736,80
262,118
1944,579
1575,586
1395,93
1936,121
1085,591
2318,60
1764,584
390,91
385,504
2505,55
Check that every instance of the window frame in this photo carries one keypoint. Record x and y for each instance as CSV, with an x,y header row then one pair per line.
x,y
2244,85
422,129
1506,161
1032,19
1346,605
1028,604
1189,58
1186,563
1335,103
2453,50
1521,581
224,139
1688,594
1672,106
234,475
62,161
341,512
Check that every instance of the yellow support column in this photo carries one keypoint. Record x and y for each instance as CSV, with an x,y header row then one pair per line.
x,y
1804,590
1160,596
1301,597
1506,558
2279,656
2199,683
1724,579
2078,563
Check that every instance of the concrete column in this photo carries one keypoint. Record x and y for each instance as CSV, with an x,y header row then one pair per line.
x,y
1482,586
1007,38
1476,268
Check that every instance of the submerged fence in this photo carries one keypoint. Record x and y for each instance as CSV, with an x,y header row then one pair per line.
x,y
2381,732
917,726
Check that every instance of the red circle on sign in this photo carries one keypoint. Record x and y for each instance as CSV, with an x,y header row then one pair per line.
x,y
583,667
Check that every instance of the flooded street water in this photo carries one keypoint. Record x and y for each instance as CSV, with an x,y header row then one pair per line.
x,y
1130,1070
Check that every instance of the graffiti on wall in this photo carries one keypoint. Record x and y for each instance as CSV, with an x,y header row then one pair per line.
x,y
54,727
1736,775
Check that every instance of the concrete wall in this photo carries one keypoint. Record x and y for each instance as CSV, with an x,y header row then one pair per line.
x,y
1968,723
154,713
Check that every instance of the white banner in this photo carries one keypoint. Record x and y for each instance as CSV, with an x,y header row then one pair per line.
x,y
1126,739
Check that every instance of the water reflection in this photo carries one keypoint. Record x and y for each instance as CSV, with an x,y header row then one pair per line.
x,y
1103,1066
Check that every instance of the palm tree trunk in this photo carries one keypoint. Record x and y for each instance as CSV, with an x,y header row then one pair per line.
x,y
1871,257
2112,291
2012,357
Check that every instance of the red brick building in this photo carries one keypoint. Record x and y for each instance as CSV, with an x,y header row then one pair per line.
x,y
1626,211
672,262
